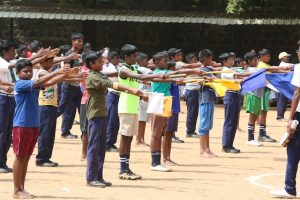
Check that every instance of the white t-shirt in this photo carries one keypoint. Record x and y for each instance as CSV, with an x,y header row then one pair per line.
x,y
296,81
4,72
284,64
110,68
227,75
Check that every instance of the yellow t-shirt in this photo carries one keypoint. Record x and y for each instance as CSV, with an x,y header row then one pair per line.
x,y
262,65
48,96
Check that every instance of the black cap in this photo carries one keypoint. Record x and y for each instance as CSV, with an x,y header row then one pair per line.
x,y
173,51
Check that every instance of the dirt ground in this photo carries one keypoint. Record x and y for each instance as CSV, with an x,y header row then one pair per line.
x,y
248,175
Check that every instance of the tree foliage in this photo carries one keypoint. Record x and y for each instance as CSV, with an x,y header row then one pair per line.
x,y
236,7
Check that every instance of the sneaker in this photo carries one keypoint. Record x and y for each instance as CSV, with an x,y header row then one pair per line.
x,y
69,136
105,183
129,175
254,143
95,184
282,119
48,163
231,150
282,194
192,135
112,148
160,168
265,138
176,139
5,169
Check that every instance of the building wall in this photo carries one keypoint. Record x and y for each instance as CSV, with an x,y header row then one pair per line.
x,y
153,37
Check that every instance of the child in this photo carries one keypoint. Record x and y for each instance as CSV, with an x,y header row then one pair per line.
x,y
70,92
47,113
172,122
290,190
192,100
96,85
232,108
142,67
159,123
83,120
25,129
128,108
112,101
206,107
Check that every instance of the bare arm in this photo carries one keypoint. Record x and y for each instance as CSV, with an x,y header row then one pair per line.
x,y
44,79
127,73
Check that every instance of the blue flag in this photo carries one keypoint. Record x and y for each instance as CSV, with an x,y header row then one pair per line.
x,y
282,82
255,81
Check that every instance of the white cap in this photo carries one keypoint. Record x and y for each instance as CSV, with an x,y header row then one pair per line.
x,y
283,54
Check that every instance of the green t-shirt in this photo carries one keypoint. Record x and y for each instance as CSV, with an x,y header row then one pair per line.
x,y
161,87
128,103
96,85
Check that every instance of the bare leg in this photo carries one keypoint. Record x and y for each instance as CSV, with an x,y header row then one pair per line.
x,y
84,140
238,128
124,145
18,176
167,145
263,117
24,172
141,134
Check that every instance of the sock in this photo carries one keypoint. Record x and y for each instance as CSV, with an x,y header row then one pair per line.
x,y
123,160
250,132
127,161
156,156
262,130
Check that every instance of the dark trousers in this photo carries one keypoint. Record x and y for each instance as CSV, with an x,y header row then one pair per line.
x,y
7,108
113,124
46,136
232,109
96,148
192,102
282,102
70,100
293,157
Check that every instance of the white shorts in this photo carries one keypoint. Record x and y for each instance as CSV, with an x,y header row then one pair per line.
x,y
128,124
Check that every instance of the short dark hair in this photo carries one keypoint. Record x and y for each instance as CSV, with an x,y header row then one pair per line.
x,y
158,56
76,35
112,54
190,56
21,64
223,57
141,56
232,54
249,56
238,60
21,48
6,45
204,53
36,45
171,63
64,49
263,52
91,57
127,50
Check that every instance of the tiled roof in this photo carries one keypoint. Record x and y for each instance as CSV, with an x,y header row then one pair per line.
x,y
136,16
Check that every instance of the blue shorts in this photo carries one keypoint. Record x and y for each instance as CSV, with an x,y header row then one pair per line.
x,y
206,112
172,124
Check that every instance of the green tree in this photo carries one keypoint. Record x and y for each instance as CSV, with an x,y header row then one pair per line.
x,y
236,7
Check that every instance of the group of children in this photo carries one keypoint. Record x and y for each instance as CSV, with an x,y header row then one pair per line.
x,y
112,99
